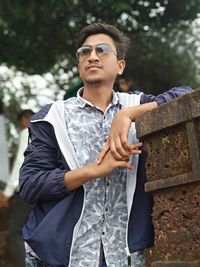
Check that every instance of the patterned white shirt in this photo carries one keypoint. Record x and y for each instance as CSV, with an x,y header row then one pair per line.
x,y
105,214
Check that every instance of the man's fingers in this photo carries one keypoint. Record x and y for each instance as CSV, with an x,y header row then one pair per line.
x,y
135,148
103,152
125,164
124,142
116,149
120,148
136,145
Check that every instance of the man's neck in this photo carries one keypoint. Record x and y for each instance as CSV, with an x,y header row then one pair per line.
x,y
100,96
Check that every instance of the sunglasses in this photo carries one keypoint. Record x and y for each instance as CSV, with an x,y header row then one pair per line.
x,y
101,50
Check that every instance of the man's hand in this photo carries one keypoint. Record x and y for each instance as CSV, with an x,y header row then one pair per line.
x,y
77,177
109,163
4,201
117,141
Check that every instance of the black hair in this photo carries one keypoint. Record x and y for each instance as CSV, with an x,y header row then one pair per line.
x,y
24,113
121,41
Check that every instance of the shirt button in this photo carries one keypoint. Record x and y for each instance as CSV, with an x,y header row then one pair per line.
x,y
103,233
108,184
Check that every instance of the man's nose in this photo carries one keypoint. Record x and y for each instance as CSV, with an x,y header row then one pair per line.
x,y
93,54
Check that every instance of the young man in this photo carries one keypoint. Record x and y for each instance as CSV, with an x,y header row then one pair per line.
x,y
20,209
88,214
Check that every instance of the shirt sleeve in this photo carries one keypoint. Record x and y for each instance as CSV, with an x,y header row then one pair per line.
x,y
13,180
166,96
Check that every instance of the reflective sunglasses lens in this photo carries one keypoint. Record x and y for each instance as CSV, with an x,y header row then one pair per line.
x,y
103,49
83,51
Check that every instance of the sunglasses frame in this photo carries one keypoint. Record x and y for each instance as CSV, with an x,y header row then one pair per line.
x,y
91,48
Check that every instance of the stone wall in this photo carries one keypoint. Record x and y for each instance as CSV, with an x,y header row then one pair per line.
x,y
171,137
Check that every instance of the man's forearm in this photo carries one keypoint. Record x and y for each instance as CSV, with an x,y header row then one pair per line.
x,y
136,111
76,178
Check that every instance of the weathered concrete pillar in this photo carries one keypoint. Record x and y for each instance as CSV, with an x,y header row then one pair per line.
x,y
171,137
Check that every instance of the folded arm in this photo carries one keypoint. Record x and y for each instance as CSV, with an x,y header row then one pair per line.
x,y
45,175
117,141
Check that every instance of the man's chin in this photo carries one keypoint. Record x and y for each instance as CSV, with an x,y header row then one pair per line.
x,y
93,81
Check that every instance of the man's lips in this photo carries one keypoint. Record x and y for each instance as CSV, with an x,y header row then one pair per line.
x,y
92,66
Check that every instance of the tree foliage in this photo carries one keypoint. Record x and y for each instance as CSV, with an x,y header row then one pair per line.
x,y
39,36
21,91
36,35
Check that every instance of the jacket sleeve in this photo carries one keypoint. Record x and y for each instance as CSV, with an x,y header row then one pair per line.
x,y
166,96
42,172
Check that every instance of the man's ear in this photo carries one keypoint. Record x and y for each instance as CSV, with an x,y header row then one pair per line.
x,y
121,65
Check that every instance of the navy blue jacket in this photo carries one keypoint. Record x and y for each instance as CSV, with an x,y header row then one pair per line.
x,y
50,226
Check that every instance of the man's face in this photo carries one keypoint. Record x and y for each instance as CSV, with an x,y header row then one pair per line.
x,y
99,67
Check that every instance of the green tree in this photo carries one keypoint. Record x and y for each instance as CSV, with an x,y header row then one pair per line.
x,y
35,35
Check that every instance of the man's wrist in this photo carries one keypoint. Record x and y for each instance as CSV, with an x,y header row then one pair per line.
x,y
138,110
75,178
90,171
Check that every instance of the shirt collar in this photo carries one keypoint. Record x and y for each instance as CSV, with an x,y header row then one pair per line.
x,y
83,102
